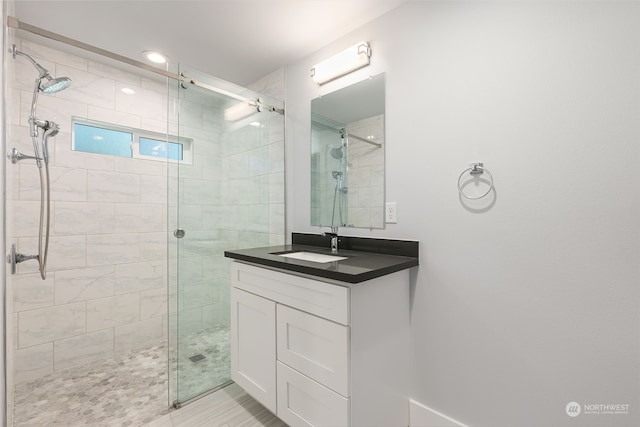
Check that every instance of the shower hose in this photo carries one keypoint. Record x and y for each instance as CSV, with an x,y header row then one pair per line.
x,y
44,191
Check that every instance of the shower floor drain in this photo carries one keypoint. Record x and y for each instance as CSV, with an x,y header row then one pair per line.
x,y
197,358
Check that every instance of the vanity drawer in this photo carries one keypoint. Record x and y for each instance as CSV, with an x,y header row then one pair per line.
x,y
314,346
313,296
304,402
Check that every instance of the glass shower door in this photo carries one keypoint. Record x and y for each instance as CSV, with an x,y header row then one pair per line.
x,y
226,191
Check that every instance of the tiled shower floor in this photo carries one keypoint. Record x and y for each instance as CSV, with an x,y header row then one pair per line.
x,y
129,390
213,369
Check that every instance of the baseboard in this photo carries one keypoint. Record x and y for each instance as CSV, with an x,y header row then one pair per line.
x,y
423,416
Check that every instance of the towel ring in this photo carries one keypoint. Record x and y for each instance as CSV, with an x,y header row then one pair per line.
x,y
475,169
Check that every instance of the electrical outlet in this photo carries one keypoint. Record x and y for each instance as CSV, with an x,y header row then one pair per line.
x,y
390,213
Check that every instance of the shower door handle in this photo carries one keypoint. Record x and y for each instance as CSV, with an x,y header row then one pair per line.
x,y
178,233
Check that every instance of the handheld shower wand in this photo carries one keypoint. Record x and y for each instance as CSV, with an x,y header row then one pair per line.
x,y
50,129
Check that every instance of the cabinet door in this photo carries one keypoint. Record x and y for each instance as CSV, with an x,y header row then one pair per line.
x,y
303,402
253,346
314,346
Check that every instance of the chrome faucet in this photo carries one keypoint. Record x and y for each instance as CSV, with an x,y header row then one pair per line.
x,y
334,239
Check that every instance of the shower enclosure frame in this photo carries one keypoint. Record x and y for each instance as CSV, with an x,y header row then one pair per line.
x,y
248,138
181,80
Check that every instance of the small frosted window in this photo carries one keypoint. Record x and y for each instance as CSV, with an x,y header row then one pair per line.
x,y
103,141
106,138
155,148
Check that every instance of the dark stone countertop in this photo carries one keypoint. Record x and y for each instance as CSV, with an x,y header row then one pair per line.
x,y
373,257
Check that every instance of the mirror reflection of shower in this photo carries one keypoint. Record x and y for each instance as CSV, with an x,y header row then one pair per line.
x,y
337,193
42,129
340,190
330,175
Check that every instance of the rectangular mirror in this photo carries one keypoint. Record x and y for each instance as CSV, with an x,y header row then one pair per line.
x,y
347,156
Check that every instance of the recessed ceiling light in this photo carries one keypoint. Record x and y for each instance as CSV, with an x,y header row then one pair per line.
x,y
127,91
155,56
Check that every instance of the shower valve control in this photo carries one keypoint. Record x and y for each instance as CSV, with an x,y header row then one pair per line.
x,y
178,233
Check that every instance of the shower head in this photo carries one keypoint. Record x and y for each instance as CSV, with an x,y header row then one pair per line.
x,y
51,85
51,128
54,85
336,152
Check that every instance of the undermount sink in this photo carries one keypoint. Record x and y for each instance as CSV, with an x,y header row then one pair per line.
x,y
311,256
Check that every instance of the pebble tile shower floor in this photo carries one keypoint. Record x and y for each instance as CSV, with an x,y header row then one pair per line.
x,y
129,390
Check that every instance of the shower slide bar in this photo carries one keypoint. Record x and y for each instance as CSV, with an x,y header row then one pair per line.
x,y
46,84
13,22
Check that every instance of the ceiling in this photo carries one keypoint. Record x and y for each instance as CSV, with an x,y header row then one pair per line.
x,y
237,40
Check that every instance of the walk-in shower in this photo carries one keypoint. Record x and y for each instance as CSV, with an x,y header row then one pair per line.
x,y
48,85
132,318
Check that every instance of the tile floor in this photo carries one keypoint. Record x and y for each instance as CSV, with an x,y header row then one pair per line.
x,y
129,390
213,369
228,407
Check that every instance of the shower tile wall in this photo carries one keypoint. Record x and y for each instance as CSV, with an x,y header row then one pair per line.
x,y
273,85
105,290
232,197
106,286
366,173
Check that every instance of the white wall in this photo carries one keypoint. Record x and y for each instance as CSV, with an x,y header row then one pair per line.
x,y
527,300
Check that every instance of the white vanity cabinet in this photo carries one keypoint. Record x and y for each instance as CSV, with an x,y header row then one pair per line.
x,y
318,352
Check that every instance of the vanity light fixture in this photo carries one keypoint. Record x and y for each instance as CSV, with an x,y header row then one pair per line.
x,y
351,59
155,56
